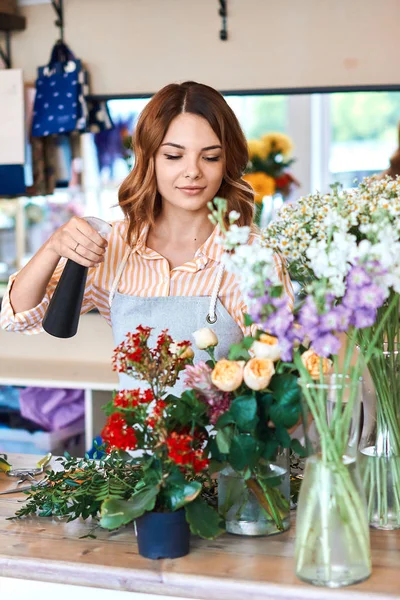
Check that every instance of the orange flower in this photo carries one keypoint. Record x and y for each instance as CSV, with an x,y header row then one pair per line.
x,y
262,184
311,361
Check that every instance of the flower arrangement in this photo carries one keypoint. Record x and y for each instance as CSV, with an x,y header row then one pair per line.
x,y
252,400
269,159
351,240
169,432
351,281
153,461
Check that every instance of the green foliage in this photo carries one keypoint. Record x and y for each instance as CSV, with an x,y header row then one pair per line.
x,y
256,424
203,520
244,452
244,412
241,351
186,410
80,488
115,512
178,492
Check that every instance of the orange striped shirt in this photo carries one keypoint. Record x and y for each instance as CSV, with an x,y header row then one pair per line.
x,y
146,274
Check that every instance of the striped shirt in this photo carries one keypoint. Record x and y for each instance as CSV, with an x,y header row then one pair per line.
x,y
146,274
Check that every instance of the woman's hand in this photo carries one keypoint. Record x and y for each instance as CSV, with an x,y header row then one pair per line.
x,y
78,241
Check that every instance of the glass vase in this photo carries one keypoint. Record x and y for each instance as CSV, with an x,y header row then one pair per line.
x,y
259,505
332,536
380,441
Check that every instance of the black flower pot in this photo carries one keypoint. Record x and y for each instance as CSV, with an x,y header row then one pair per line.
x,y
163,535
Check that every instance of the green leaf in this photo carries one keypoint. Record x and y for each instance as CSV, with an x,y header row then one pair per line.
x,y
283,437
203,520
244,411
285,389
214,451
284,415
115,513
177,494
244,452
225,419
269,449
247,320
297,447
186,410
224,438
238,352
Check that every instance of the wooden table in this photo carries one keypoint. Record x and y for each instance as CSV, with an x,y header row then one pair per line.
x,y
229,568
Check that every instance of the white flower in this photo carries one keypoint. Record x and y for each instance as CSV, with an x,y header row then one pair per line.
x,y
235,236
258,373
266,347
234,215
205,338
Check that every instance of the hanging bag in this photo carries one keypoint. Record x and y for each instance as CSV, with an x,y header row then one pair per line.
x,y
60,105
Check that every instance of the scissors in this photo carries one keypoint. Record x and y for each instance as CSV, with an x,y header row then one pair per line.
x,y
30,473
24,488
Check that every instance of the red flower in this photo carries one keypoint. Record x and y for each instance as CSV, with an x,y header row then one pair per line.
x,y
181,452
117,434
147,397
135,356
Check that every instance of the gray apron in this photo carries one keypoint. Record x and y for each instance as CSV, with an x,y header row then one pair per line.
x,y
181,315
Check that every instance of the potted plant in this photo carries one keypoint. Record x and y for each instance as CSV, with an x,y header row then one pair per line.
x,y
170,436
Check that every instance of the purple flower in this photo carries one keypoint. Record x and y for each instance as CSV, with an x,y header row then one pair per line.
x,y
328,321
286,347
363,317
325,345
279,302
351,299
358,277
279,322
372,296
343,316
308,315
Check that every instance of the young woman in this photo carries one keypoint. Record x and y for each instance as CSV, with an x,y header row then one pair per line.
x,y
162,264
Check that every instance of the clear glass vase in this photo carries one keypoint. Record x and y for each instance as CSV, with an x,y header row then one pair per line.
x,y
380,441
260,505
332,536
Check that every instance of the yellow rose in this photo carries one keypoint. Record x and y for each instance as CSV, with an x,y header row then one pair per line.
x,y
256,148
278,142
262,184
227,375
205,338
311,361
266,347
258,372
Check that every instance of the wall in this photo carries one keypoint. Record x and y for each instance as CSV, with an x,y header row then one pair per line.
x,y
137,46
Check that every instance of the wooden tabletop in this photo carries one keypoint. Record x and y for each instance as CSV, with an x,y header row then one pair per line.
x,y
229,568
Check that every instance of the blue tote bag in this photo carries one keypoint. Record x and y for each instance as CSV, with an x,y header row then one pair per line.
x,y
60,105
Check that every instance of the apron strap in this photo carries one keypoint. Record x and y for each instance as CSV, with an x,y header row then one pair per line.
x,y
118,276
212,317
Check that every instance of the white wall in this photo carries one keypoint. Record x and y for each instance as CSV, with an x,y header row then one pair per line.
x,y
135,46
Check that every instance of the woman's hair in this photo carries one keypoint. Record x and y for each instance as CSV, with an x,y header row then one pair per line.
x,y
138,195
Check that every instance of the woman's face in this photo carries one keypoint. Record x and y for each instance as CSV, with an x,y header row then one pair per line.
x,y
189,164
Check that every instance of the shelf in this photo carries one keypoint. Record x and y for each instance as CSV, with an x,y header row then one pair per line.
x,y
9,22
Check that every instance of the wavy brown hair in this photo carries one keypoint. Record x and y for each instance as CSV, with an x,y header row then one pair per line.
x,y
138,196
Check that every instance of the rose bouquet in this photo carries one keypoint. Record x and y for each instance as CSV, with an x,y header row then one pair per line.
x,y
341,236
345,297
168,432
252,399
